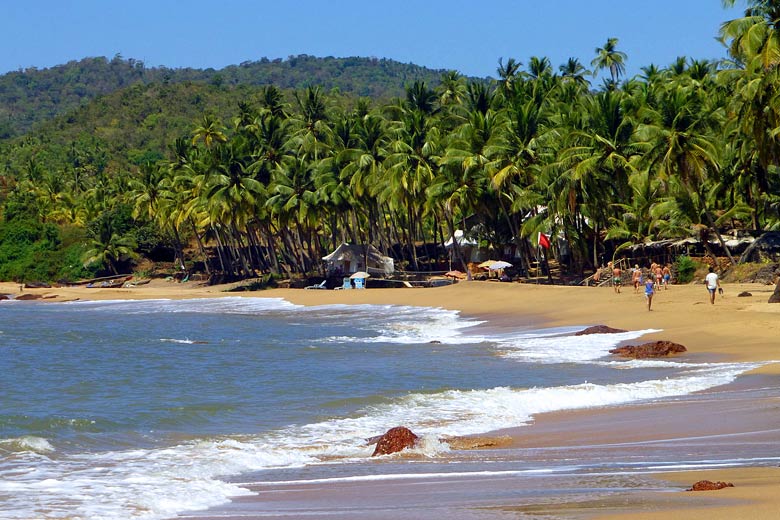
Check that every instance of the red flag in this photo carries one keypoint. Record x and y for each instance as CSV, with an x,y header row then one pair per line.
x,y
544,241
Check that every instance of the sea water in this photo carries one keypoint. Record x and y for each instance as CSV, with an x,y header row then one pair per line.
x,y
148,409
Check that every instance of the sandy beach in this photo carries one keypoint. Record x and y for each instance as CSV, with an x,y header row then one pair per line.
x,y
744,329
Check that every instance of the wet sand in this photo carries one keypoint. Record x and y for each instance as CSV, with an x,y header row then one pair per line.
x,y
733,421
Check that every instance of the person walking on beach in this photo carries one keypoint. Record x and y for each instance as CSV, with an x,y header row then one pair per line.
x,y
616,278
713,283
667,276
636,278
649,291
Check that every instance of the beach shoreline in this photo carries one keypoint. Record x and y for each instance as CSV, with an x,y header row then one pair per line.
x,y
734,329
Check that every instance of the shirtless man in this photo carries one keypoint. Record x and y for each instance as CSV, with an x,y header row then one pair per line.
x,y
659,275
636,278
617,280
667,273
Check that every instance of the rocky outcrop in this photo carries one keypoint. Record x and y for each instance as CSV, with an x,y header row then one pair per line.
x,y
4,297
653,349
775,298
394,440
599,329
708,485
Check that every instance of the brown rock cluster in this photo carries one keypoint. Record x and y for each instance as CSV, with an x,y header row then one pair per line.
x,y
652,349
708,485
394,440
599,329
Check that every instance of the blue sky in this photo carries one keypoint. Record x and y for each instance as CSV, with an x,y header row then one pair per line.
x,y
466,36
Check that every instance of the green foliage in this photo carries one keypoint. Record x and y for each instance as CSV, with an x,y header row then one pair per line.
x,y
31,251
686,267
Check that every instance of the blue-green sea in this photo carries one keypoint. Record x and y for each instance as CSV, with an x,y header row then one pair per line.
x,y
149,409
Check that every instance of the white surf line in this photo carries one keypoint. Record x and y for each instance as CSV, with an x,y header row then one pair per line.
x,y
408,476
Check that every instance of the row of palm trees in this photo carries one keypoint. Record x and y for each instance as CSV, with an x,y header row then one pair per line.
x,y
690,149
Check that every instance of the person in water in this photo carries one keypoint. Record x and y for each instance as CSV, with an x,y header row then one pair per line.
x,y
649,291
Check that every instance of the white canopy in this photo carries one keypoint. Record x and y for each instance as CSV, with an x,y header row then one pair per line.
x,y
461,241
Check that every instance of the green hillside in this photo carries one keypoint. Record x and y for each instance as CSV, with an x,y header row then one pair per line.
x,y
31,96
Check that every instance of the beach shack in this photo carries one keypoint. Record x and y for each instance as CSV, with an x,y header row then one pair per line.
x,y
469,247
352,258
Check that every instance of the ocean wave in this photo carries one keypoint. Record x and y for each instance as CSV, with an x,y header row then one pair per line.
x,y
26,443
185,341
221,305
159,483
26,423
545,348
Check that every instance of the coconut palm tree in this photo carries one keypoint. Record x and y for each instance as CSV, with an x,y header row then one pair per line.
x,y
608,57
754,40
210,131
679,144
108,248
573,71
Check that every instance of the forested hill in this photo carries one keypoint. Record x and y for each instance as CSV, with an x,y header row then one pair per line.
x,y
30,96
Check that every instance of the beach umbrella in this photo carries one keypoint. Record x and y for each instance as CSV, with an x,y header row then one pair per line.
x,y
360,274
495,266
486,264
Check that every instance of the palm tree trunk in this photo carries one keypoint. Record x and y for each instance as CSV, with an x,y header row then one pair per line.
x,y
201,249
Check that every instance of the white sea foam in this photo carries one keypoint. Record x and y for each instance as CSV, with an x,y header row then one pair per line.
x,y
563,349
225,305
410,325
185,341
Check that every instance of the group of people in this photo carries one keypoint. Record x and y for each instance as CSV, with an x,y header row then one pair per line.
x,y
656,277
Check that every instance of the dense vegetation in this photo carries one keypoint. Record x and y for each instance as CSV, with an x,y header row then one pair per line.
x,y
32,96
690,149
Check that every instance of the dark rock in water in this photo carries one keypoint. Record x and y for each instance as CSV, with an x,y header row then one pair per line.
x,y
29,297
708,485
599,329
775,298
4,297
649,350
435,342
744,294
395,440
